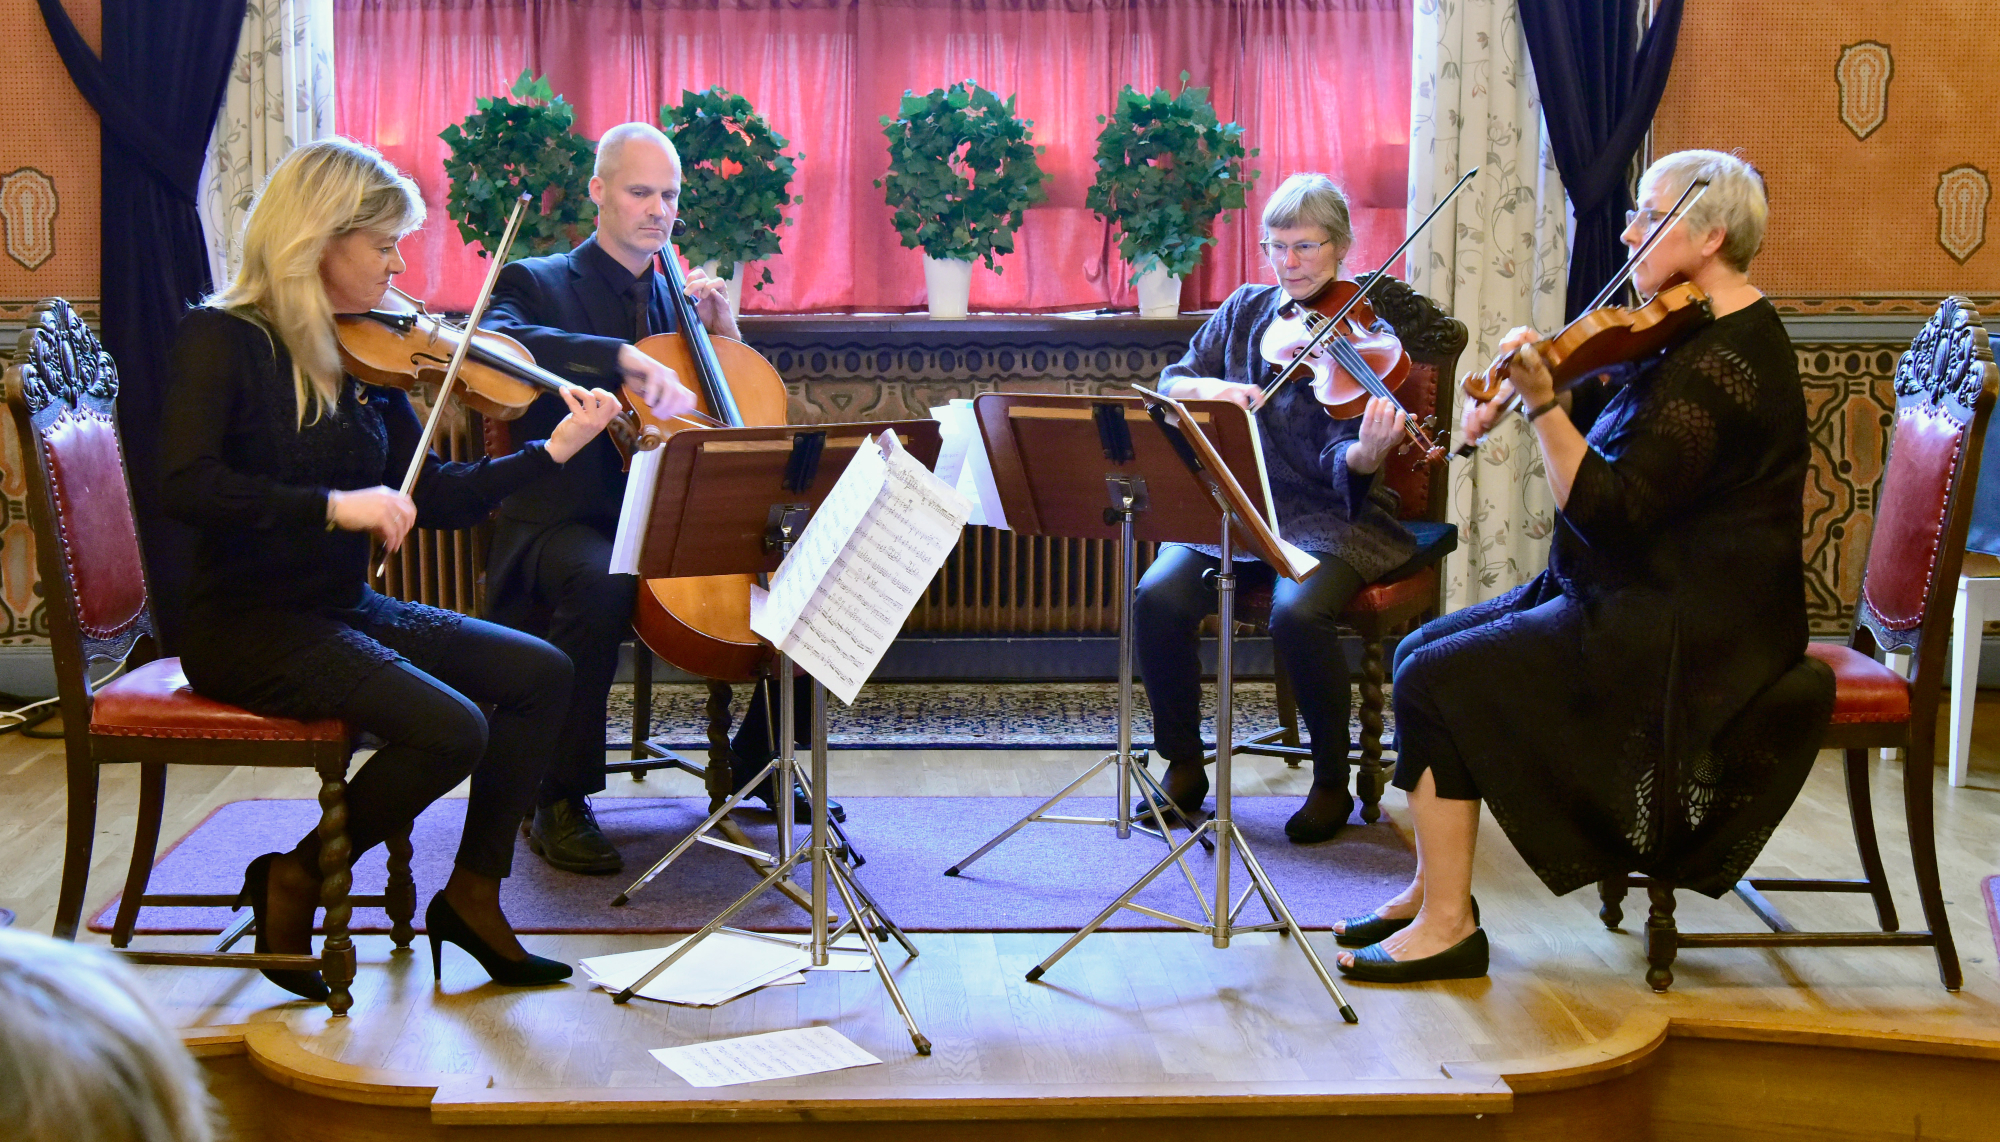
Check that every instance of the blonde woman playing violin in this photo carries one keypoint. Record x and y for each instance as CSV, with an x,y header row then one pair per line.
x,y
279,459
1645,703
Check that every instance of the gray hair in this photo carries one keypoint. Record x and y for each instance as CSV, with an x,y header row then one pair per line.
x,y
83,1055
611,148
1311,200
1734,202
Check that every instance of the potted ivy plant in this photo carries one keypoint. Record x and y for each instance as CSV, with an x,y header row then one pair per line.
x,y
962,170
508,146
736,182
1165,169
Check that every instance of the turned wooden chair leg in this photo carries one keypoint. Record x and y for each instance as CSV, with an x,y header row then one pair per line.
x,y
336,956
1919,773
145,845
1368,778
1662,939
720,777
1861,808
642,704
82,831
400,897
1611,894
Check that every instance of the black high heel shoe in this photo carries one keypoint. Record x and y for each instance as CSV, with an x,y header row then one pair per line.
x,y
444,925
257,894
1375,928
1466,959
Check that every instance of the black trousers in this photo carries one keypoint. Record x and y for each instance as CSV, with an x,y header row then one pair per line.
x,y
425,707
1173,598
755,737
586,612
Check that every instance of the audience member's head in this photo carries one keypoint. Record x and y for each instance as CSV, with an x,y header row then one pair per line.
x,y
83,1057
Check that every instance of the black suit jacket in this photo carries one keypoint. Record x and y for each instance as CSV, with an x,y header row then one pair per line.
x,y
567,310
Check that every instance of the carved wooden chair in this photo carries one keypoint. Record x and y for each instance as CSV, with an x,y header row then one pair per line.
x,y
63,390
1945,388
1409,595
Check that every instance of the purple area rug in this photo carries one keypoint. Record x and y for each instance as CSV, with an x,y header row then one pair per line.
x,y
1045,878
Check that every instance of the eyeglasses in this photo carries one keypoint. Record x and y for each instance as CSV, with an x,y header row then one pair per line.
x,y
1276,251
1650,217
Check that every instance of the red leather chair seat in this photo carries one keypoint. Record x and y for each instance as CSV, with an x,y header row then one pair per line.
x,y
1418,588
155,701
1864,689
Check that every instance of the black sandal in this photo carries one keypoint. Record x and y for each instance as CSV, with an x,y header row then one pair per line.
x,y
1374,928
1466,959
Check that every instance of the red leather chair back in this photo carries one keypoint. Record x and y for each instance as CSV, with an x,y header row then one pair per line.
x,y
1434,340
1945,388
63,389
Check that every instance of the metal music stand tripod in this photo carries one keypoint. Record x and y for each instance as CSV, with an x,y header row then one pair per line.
x,y
1073,466
732,501
1233,515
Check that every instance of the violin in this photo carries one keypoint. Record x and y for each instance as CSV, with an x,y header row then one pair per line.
x,y
702,624
399,343
1342,383
1606,338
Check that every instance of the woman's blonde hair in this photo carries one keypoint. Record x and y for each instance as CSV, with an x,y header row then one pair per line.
x,y
319,192
83,1055
1734,202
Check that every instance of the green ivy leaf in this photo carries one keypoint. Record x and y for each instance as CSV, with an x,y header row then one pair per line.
x,y
1166,167
504,148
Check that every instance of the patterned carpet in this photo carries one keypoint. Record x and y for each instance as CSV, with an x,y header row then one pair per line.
x,y
981,715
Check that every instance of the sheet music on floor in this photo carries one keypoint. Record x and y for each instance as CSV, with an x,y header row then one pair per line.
x,y
964,464
773,1055
636,512
727,964
870,551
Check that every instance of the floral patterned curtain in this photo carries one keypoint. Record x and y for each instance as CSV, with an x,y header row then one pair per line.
x,y
280,94
1494,259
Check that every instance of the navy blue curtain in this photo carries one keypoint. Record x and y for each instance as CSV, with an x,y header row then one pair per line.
x,y
1600,83
156,89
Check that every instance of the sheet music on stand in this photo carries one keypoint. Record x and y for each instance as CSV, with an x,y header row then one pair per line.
x,y
843,592
964,464
636,512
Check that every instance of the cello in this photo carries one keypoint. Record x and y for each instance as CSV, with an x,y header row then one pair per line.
x,y
702,624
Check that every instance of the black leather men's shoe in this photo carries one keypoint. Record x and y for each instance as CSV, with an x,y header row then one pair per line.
x,y
566,835
801,804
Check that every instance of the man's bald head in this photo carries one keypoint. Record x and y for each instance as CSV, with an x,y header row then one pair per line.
x,y
612,147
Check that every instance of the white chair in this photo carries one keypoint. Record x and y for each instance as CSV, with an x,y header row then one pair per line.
x,y
1978,589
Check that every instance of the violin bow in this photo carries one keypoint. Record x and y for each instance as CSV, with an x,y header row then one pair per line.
x,y
1678,211
1361,295
458,355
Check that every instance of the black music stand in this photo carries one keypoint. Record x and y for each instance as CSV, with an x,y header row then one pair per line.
x,y
1222,508
1074,466
733,501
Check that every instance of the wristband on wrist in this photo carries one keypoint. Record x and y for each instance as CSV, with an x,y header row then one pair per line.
x,y
1540,409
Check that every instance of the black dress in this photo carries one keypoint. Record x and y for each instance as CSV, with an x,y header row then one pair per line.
x,y
1645,703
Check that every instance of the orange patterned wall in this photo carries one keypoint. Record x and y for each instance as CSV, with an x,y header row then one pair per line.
x,y
49,220
1873,124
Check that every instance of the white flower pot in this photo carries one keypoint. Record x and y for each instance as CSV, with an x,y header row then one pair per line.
x,y
947,287
735,290
1159,291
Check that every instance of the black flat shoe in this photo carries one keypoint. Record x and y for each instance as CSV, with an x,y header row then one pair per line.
x,y
257,894
1324,814
1463,960
444,926
801,804
1375,928
1186,786
565,834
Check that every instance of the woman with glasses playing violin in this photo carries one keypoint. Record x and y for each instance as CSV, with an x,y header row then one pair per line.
x,y
1323,483
1644,705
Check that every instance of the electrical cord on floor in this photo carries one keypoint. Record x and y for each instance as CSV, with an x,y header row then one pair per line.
x,y
23,720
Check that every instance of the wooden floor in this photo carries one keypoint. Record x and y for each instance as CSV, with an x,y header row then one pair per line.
x,y
1132,1012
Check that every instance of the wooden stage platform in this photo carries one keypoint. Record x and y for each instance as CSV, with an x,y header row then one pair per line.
x,y
1135,1034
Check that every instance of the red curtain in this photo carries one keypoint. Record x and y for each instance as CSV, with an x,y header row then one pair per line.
x,y
1318,85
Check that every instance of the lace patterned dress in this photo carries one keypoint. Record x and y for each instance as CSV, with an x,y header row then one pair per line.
x,y
1645,703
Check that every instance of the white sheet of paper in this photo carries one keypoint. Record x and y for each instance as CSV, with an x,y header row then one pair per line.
x,y
720,968
636,512
975,481
753,1058
954,439
835,607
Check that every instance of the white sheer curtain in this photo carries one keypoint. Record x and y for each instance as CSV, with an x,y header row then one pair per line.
x,y
280,95
1494,259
